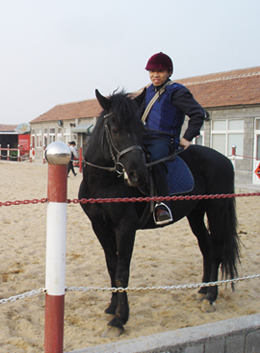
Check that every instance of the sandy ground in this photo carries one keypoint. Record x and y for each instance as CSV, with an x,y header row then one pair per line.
x,y
161,257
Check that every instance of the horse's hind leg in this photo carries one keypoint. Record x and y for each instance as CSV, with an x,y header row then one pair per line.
x,y
216,220
224,244
196,221
211,243
197,224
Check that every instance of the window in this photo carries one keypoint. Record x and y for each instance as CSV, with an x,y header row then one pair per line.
x,y
33,138
257,131
225,134
59,135
199,140
52,135
39,138
45,137
67,135
258,147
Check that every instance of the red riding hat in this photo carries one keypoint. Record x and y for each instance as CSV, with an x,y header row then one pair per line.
x,y
159,61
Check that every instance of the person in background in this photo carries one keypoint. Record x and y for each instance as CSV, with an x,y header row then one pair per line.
x,y
74,153
166,105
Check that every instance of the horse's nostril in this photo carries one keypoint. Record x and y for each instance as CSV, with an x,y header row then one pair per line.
x,y
134,177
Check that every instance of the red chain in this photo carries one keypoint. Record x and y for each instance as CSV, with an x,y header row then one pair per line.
x,y
162,198
134,199
24,202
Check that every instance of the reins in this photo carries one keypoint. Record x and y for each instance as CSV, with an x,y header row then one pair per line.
x,y
165,159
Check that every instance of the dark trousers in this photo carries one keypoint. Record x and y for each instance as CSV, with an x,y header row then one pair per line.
x,y
159,148
71,168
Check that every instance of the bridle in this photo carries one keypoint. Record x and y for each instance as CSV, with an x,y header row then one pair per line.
x,y
114,152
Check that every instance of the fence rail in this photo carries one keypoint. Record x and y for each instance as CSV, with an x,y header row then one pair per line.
x,y
133,199
132,289
19,154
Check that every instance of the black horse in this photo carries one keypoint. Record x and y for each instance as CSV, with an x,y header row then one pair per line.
x,y
115,167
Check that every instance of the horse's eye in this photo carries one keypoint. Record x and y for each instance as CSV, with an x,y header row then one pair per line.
x,y
114,131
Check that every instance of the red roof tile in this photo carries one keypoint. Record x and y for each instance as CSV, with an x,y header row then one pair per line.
x,y
231,88
8,128
82,109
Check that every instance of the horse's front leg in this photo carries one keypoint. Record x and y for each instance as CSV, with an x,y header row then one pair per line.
x,y
107,239
125,236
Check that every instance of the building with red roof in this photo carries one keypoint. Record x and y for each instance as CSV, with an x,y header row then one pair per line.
x,y
231,100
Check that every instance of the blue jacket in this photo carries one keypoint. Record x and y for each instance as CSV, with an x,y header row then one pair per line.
x,y
168,112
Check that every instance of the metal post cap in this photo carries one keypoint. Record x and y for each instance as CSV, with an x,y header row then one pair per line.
x,y
58,153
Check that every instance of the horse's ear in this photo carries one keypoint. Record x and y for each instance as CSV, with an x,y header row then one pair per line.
x,y
140,98
103,101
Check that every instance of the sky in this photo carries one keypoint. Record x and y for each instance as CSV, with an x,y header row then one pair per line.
x,y
60,51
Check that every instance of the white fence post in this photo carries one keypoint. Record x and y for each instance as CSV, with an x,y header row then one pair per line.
x,y
58,156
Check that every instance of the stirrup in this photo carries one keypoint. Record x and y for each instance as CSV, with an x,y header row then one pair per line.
x,y
165,221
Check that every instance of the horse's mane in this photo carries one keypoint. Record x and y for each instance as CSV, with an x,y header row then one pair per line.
x,y
124,109
123,106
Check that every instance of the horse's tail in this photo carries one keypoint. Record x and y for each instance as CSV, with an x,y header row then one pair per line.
x,y
231,243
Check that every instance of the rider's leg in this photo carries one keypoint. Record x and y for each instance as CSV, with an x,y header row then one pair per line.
x,y
160,148
162,212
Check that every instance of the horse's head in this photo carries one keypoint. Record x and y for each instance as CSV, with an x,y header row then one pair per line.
x,y
123,131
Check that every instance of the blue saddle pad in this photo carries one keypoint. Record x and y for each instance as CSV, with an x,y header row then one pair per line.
x,y
180,179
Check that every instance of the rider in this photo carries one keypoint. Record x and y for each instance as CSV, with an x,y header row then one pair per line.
x,y
163,119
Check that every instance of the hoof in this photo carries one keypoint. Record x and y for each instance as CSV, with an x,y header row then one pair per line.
x,y
200,296
112,332
207,306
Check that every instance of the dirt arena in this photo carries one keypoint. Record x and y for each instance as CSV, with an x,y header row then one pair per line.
x,y
168,256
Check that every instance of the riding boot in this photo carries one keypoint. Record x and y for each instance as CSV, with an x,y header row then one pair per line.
x,y
162,214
